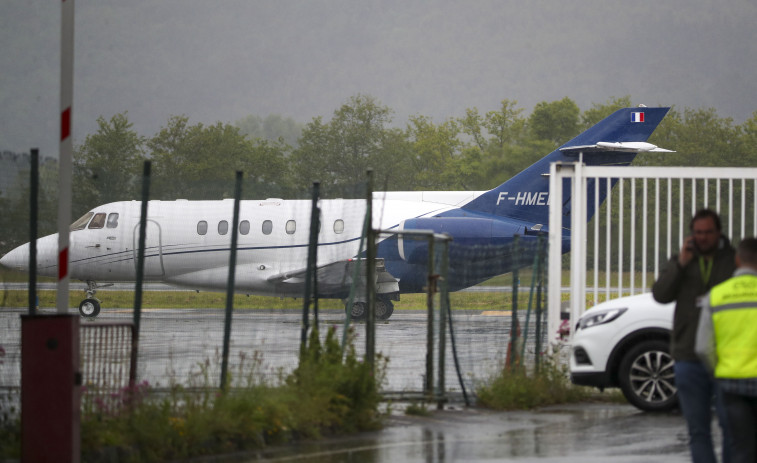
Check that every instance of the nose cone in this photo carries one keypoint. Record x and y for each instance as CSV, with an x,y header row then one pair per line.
x,y
17,259
47,257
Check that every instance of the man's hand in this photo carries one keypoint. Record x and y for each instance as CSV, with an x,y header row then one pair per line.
x,y
687,252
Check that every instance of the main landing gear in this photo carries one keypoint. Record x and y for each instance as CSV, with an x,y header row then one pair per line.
x,y
90,307
384,309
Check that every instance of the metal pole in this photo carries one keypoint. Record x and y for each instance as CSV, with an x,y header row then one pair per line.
x,y
370,271
310,278
429,386
540,284
230,285
33,214
140,261
443,303
512,351
65,161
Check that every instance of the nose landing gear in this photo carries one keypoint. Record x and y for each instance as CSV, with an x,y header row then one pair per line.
x,y
90,307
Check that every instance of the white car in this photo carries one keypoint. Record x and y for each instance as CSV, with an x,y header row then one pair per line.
x,y
625,343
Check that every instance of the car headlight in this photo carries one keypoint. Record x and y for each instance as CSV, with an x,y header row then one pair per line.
x,y
600,317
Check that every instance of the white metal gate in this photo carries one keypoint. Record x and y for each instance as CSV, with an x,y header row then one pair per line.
x,y
643,220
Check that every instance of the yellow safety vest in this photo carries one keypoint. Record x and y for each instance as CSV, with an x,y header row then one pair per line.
x,y
734,319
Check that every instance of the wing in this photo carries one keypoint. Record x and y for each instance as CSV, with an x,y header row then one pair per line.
x,y
336,278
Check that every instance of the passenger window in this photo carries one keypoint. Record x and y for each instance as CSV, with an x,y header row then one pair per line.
x,y
339,226
267,227
223,227
291,227
82,222
98,221
112,220
202,227
244,227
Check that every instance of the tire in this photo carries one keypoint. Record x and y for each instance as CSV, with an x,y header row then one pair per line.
x,y
89,308
384,309
358,311
646,377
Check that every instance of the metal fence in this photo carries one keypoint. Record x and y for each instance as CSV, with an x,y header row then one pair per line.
x,y
643,221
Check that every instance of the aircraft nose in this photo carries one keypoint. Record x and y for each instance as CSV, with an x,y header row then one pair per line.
x,y
17,259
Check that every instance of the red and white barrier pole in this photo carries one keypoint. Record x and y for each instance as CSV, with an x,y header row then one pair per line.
x,y
66,150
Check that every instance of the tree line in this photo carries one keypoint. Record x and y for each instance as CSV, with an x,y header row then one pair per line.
x,y
281,158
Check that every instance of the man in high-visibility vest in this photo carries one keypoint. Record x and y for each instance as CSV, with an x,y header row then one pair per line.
x,y
727,343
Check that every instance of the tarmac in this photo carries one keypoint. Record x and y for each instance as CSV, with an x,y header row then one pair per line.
x,y
576,433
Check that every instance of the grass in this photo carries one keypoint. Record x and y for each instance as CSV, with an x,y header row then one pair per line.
x,y
517,389
326,395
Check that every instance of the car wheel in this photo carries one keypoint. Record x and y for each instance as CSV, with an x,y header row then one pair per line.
x,y
646,376
89,308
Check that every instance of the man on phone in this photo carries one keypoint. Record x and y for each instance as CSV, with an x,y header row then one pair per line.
x,y
705,260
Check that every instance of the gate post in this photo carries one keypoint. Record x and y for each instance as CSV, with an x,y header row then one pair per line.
x,y
50,388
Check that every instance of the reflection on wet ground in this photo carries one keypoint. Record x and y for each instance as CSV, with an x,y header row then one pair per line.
x,y
586,433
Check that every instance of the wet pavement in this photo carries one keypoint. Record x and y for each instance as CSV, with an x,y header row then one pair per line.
x,y
576,433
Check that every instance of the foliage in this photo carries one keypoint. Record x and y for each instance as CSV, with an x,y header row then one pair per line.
x,y
108,163
326,395
514,389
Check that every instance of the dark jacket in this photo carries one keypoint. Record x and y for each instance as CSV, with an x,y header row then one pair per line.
x,y
684,285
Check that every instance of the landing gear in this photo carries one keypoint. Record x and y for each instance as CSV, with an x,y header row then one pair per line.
x,y
90,307
358,311
384,309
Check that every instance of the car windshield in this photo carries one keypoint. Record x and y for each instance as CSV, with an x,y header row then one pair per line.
x,y
82,222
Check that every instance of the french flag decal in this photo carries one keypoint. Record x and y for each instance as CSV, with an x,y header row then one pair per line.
x,y
637,117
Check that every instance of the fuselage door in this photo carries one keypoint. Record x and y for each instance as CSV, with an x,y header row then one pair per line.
x,y
153,250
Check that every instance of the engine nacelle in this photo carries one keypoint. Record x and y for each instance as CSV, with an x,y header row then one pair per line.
x,y
465,231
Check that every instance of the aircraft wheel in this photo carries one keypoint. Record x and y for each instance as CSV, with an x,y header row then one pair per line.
x,y
384,309
358,311
89,308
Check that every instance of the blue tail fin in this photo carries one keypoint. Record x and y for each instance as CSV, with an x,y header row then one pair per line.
x,y
612,141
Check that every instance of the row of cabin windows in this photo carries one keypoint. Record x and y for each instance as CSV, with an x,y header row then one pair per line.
x,y
98,221
266,228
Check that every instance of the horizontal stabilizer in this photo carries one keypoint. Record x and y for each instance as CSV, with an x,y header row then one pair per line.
x,y
622,146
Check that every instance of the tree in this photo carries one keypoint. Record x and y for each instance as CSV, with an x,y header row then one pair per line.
x,y
273,128
339,152
199,162
600,111
556,121
434,149
108,165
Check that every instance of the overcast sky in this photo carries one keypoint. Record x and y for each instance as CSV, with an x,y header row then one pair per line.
x,y
227,59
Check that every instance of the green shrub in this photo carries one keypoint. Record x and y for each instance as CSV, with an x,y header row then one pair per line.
x,y
515,389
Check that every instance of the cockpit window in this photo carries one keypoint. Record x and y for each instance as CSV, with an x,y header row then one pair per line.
x,y
112,220
82,222
98,221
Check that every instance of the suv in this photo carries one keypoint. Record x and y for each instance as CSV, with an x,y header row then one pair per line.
x,y
625,343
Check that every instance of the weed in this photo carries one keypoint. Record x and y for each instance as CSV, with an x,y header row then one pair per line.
x,y
516,388
417,409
